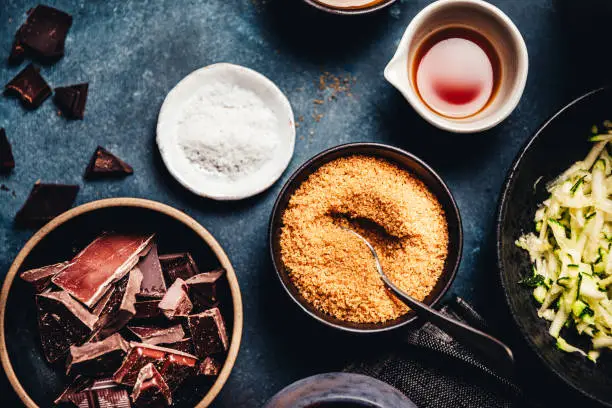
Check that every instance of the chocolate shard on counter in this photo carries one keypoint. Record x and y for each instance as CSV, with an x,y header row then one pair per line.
x,y
176,300
29,86
40,278
209,367
43,34
203,288
147,309
89,393
173,365
105,164
45,202
95,359
158,335
119,309
7,161
208,332
105,261
150,389
153,284
71,100
75,321
178,266
185,345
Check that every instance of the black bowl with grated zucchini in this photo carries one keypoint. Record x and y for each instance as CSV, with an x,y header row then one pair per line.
x,y
554,234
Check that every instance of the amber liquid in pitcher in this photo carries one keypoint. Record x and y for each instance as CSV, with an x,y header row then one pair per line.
x,y
456,72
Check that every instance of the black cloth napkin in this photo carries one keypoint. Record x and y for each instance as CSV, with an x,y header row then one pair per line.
x,y
436,371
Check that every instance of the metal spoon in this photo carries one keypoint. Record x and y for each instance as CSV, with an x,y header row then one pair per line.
x,y
497,352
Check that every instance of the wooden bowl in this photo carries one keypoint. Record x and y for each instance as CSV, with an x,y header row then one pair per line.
x,y
38,383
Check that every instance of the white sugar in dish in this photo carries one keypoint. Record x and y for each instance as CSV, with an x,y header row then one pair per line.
x,y
226,132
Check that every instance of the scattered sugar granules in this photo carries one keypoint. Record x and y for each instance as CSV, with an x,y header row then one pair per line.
x,y
393,210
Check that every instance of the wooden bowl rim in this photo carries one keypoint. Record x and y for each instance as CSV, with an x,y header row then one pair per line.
x,y
137,203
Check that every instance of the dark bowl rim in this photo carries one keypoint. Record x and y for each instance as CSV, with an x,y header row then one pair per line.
x,y
379,146
350,12
501,215
335,395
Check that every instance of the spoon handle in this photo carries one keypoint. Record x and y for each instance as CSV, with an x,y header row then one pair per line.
x,y
494,350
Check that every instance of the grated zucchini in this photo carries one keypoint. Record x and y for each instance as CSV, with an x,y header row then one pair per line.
x,y
572,269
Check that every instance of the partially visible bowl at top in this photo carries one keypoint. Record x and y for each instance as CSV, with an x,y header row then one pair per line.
x,y
37,382
350,7
405,161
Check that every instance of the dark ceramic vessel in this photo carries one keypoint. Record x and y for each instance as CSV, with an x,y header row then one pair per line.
x,y
340,390
404,160
560,142
364,10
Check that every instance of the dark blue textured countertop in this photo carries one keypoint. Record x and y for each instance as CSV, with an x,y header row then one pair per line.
x,y
132,53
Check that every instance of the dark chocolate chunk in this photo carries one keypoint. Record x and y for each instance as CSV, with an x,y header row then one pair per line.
x,y
203,288
178,266
209,367
95,359
208,332
158,335
43,34
76,322
147,309
45,202
177,368
106,260
176,300
7,161
108,297
76,386
89,393
40,278
29,86
105,164
153,284
120,307
150,389
53,338
173,365
71,100
185,345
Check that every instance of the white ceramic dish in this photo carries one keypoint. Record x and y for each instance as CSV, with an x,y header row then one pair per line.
x,y
487,20
206,184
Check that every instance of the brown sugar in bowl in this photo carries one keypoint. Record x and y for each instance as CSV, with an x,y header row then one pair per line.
x,y
404,161
36,382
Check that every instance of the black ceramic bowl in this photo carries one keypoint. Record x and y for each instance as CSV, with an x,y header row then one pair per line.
x,y
38,383
404,160
354,11
560,142
339,390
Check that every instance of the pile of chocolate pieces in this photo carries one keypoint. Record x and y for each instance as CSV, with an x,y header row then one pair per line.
x,y
131,325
